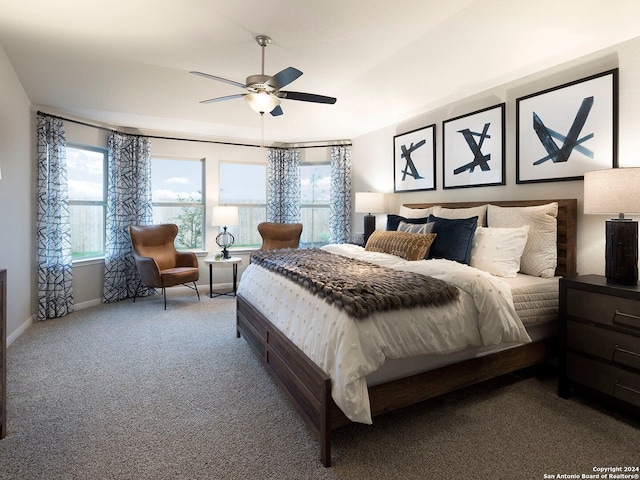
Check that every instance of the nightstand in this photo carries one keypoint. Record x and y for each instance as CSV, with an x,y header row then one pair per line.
x,y
600,338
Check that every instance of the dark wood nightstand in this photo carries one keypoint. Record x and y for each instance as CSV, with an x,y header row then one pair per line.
x,y
600,338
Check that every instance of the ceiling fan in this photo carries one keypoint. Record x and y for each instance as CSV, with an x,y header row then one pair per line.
x,y
263,91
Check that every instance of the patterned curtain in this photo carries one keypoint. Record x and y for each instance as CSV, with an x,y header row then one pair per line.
x,y
53,227
340,206
283,188
128,202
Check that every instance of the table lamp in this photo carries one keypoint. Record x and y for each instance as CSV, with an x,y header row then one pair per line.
x,y
369,202
616,191
224,216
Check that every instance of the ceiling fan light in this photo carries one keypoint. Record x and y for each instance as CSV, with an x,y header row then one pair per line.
x,y
262,102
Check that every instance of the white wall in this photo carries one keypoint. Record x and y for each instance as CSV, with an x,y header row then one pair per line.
x,y
373,153
17,192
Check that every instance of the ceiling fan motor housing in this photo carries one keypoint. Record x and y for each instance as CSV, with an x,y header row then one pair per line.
x,y
257,83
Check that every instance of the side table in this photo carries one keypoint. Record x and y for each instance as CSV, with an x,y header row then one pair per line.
x,y
222,263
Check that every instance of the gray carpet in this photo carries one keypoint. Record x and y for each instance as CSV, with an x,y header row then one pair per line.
x,y
129,391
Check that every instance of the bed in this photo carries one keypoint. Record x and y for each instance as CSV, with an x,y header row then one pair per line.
x,y
309,387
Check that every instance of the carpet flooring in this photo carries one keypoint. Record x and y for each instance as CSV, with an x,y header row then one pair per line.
x,y
130,391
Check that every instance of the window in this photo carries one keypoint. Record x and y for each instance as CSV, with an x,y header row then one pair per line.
x,y
177,186
245,185
86,177
315,191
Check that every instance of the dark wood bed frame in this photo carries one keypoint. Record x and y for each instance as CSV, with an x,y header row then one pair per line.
x,y
309,388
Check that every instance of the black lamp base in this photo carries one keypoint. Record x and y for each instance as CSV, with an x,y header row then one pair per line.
x,y
622,252
369,226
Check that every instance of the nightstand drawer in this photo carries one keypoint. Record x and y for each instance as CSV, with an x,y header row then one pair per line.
x,y
606,309
616,347
617,382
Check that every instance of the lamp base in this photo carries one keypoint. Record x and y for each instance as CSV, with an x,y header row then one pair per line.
x,y
622,252
224,240
369,226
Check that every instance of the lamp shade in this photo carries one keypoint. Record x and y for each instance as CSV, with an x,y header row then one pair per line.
x,y
224,216
612,191
262,102
369,202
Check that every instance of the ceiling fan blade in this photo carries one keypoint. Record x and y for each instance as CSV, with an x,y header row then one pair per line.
x,y
220,79
222,99
277,111
283,78
307,97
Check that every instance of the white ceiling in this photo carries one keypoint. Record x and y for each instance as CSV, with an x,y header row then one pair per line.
x,y
126,63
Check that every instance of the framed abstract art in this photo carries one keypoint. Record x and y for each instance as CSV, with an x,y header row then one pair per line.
x,y
565,131
473,149
414,164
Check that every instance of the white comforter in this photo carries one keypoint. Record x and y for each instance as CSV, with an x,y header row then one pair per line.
x,y
348,349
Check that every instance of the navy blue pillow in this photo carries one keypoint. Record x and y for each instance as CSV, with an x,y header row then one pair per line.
x,y
394,220
454,238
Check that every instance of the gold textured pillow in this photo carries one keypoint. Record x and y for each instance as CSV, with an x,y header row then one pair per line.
x,y
410,246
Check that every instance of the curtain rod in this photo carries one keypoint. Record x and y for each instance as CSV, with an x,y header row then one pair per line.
x,y
217,142
99,127
347,144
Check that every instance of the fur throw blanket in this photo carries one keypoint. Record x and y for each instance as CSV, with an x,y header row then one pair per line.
x,y
359,288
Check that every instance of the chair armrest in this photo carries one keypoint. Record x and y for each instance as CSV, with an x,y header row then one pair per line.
x,y
149,271
186,259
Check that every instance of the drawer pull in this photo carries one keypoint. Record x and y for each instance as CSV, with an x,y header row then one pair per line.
x,y
622,350
624,387
626,320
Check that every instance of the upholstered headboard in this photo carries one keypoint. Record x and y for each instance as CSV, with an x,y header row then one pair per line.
x,y
567,222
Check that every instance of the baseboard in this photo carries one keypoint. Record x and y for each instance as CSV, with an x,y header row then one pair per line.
x,y
12,337
87,304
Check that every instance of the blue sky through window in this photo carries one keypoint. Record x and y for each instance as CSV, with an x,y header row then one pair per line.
x,y
243,183
85,176
176,180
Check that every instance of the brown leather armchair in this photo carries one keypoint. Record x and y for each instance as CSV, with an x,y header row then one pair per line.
x,y
279,235
159,263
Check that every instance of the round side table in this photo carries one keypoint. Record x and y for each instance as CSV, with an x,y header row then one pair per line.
x,y
223,263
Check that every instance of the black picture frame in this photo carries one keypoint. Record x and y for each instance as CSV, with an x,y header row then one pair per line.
x,y
564,131
414,160
473,149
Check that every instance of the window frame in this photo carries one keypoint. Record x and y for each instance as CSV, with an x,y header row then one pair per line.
x,y
103,203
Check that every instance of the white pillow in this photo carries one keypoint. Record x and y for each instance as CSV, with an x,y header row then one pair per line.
x,y
540,254
498,250
407,212
452,213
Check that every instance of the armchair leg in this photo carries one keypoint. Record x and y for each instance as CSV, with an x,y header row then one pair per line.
x,y
164,293
135,292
